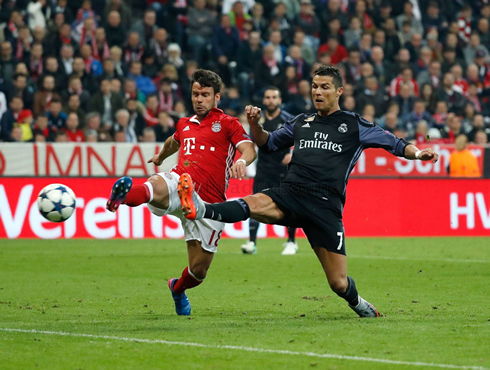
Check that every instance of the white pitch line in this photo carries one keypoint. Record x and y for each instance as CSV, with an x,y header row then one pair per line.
x,y
418,259
247,349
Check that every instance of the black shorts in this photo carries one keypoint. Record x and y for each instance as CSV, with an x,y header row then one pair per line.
x,y
262,182
318,212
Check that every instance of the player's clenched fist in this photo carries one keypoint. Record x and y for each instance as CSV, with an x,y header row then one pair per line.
x,y
429,154
253,114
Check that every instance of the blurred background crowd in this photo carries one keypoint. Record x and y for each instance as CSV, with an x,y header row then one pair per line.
x,y
118,70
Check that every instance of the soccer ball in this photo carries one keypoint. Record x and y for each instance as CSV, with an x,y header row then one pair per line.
x,y
56,202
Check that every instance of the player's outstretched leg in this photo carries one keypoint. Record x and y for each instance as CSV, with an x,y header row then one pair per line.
x,y
182,304
120,190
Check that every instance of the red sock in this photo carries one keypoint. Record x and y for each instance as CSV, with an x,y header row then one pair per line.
x,y
138,194
186,281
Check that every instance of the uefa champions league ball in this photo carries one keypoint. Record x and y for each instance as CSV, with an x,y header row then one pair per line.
x,y
56,202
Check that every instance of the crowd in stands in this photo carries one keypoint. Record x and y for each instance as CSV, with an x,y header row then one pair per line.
x,y
119,70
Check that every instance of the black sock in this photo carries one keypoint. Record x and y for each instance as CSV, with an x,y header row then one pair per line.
x,y
253,227
291,234
228,212
350,295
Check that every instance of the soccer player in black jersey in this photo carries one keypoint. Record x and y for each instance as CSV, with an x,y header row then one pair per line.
x,y
270,168
327,145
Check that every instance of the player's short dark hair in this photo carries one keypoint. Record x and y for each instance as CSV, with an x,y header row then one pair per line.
x,y
207,78
331,71
274,89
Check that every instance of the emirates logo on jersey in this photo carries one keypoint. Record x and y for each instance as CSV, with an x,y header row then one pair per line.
x,y
216,126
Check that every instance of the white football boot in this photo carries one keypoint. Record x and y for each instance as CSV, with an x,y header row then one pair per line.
x,y
290,248
249,248
365,309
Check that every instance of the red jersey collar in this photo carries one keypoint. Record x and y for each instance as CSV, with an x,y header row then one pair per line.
x,y
213,110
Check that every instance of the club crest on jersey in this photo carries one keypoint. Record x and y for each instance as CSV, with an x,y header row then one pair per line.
x,y
310,119
343,128
216,126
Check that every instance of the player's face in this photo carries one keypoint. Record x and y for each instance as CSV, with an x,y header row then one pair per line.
x,y
271,100
324,94
203,99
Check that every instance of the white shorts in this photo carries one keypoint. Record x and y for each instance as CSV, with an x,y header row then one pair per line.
x,y
208,232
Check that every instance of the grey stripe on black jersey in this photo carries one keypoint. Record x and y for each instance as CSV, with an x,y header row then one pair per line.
x,y
326,149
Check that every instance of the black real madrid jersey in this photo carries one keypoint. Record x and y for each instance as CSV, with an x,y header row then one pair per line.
x,y
326,149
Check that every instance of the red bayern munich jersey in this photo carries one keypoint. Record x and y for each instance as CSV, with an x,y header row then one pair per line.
x,y
207,151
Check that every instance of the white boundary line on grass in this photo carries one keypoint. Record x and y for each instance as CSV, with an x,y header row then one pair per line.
x,y
417,259
247,349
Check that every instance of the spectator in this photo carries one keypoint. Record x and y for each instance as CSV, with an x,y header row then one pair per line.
x,y
143,83
74,106
136,119
41,128
481,137
462,162
309,23
473,48
72,131
431,76
405,100
106,103
61,137
158,46
22,90
418,114
301,102
406,78
259,23
433,18
151,111
130,91
337,52
116,57
269,72
133,51
452,94
146,27
165,127
372,95
66,60
428,96
353,66
478,125
200,29
484,32
115,32
9,118
56,118
120,7
43,98
91,136
464,23
353,34
148,135
407,16
249,56
123,125
306,51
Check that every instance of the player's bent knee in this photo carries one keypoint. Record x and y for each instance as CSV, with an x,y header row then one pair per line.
x,y
338,285
160,189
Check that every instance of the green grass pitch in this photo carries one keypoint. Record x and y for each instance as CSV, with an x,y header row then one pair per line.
x,y
276,311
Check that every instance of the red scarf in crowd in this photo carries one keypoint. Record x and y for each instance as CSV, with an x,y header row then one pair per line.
x,y
36,68
133,56
150,118
13,28
19,53
96,51
84,34
88,64
166,102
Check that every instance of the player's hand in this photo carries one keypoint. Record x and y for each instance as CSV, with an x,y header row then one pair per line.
x,y
253,114
238,170
156,160
287,159
429,154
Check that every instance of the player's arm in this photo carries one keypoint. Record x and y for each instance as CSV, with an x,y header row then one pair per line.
x,y
271,141
259,135
170,147
248,155
373,136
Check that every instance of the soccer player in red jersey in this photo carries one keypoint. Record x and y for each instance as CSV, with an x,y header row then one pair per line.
x,y
207,143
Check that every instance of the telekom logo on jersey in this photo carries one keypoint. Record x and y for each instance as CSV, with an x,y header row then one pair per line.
x,y
190,144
